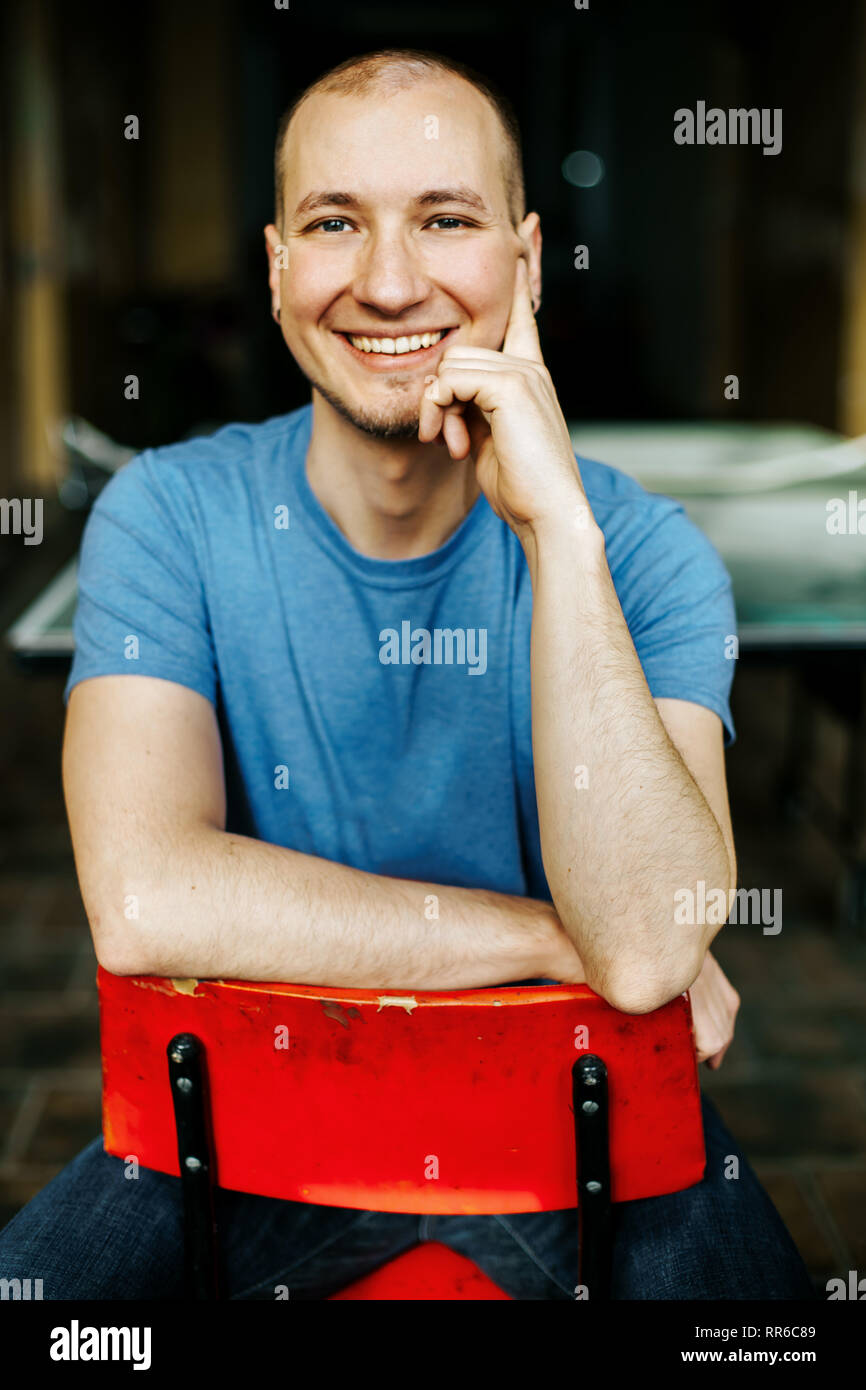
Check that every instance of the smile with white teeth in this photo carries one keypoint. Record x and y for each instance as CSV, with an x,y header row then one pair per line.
x,y
395,346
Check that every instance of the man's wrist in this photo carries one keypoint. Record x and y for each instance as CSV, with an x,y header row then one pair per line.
x,y
552,956
572,534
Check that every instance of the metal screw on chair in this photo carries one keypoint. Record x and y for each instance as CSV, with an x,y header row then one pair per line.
x,y
176,1055
193,1164
593,1187
184,1084
589,1107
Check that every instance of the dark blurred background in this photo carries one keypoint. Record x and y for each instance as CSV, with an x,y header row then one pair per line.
x,y
149,255
146,257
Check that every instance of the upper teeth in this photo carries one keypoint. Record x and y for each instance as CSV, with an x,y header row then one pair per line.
x,y
397,345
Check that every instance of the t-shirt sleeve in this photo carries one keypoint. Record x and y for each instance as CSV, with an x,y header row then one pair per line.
x,y
681,615
141,603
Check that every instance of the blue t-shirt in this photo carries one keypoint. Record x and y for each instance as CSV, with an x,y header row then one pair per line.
x,y
372,712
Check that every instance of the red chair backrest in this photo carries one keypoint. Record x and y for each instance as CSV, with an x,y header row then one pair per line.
x,y
438,1102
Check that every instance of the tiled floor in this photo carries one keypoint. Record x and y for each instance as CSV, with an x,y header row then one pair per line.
x,y
792,1088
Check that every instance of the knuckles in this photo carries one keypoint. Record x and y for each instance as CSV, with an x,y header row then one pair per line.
x,y
519,373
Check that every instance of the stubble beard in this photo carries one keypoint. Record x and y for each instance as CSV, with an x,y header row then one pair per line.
x,y
387,422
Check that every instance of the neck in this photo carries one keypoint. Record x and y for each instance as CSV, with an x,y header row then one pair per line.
x,y
393,499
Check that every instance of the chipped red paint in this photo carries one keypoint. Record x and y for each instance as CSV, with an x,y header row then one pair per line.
x,y
344,1016
478,1079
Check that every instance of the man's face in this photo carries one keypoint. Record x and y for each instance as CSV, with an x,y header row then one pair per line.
x,y
400,242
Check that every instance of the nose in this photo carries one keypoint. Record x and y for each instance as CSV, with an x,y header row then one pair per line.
x,y
389,277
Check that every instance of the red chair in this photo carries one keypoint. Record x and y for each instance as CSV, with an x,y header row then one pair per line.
x,y
474,1101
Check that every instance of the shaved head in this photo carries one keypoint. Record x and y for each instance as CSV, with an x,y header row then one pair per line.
x,y
393,70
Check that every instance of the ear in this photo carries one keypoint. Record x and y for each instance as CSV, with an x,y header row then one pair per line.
x,y
272,242
529,233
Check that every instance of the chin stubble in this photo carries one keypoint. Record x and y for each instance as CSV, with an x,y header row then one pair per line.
x,y
378,426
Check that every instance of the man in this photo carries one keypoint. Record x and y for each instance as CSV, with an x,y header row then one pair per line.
x,y
396,648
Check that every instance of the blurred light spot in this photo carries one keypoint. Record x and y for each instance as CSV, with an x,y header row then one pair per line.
x,y
73,493
582,168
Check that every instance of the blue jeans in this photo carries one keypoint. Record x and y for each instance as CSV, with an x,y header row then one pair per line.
x,y
92,1233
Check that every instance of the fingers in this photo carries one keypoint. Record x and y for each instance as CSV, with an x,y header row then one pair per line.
x,y
521,335
467,380
716,1036
456,382
464,352
446,394
715,1004
430,416
455,434
434,419
486,381
717,1058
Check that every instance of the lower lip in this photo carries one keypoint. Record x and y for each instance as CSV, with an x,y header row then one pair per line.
x,y
391,361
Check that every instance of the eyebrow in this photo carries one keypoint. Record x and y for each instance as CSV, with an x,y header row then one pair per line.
x,y
462,196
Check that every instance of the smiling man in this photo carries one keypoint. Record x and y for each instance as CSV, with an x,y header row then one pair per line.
x,y
254,792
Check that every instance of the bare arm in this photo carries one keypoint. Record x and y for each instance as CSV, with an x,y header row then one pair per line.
x,y
169,892
621,844
651,817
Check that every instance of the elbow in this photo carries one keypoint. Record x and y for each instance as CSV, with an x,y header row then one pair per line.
x,y
131,906
118,963
644,991
121,954
639,997
118,943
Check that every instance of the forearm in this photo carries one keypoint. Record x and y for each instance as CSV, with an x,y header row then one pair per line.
x,y
224,906
623,824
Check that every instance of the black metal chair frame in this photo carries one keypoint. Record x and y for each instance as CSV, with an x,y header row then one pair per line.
x,y
189,1087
